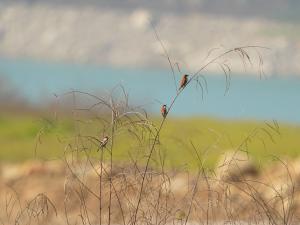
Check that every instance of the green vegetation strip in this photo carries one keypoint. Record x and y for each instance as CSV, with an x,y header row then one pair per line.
x,y
19,138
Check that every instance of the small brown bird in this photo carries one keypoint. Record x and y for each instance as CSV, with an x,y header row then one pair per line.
x,y
104,142
184,81
164,111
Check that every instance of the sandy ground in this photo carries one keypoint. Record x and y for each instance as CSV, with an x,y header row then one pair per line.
x,y
48,193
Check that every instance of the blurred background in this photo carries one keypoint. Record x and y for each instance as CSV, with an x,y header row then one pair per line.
x,y
48,48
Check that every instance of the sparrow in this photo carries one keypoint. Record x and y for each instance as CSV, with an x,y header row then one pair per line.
x,y
164,111
183,81
104,142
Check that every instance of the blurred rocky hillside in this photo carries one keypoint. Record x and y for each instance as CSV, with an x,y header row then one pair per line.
x,y
120,34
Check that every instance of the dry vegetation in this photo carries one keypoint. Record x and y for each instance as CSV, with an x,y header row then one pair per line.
x,y
89,186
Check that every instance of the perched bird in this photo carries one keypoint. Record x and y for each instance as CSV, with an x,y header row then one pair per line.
x,y
183,81
164,111
104,142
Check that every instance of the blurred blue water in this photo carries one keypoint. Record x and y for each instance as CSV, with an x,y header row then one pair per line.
x,y
248,97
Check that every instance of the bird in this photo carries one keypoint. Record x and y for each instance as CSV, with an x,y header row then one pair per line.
x,y
104,142
164,111
184,81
